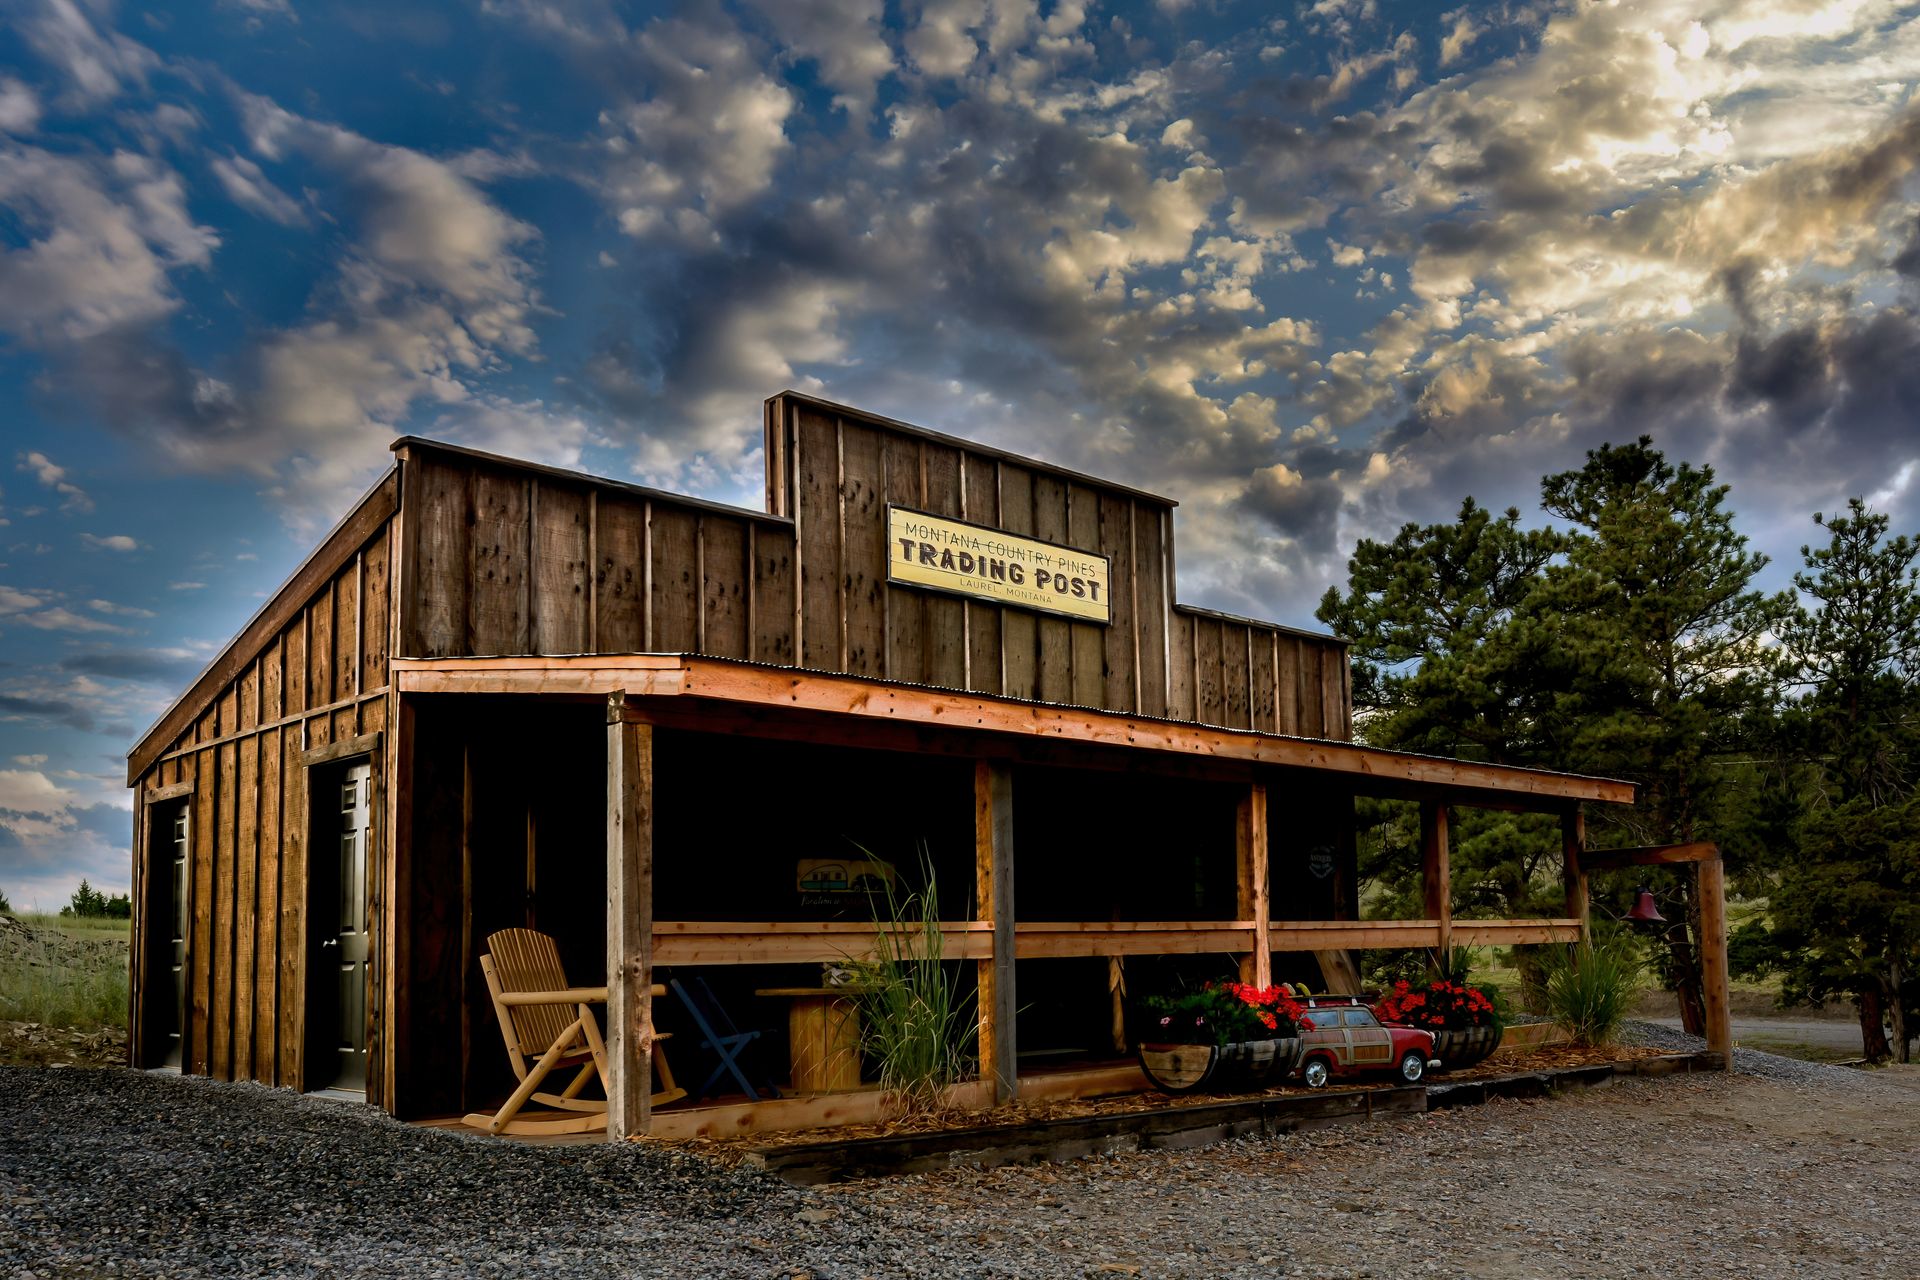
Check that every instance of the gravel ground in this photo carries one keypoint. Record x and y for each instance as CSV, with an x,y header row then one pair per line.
x,y
1804,1170
1768,1066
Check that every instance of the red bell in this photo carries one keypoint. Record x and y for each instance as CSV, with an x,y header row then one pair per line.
x,y
1644,911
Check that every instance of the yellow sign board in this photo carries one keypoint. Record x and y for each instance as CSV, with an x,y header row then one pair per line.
x,y
991,564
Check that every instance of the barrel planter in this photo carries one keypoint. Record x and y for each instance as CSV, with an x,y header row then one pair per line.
x,y
1465,1046
1225,1068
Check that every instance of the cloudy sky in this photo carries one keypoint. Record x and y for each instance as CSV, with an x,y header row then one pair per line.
x,y
1314,269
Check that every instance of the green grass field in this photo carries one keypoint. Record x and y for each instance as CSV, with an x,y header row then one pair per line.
x,y
63,972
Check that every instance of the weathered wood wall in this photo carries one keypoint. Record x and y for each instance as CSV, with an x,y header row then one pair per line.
x,y
1243,674
508,559
834,471
512,559
309,671
461,554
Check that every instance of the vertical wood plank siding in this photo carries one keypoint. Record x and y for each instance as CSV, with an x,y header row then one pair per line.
x,y
1020,628
945,656
980,498
1246,674
673,575
489,557
619,576
320,676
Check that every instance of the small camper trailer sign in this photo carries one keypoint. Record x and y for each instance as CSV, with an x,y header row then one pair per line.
x,y
990,564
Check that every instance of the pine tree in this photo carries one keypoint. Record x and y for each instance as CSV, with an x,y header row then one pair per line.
x,y
1444,662
1661,659
1631,644
1423,613
1845,913
86,901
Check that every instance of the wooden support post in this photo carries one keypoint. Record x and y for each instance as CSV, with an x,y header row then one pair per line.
x,y
993,879
396,1057
1573,840
629,923
1436,874
1710,888
1252,894
1712,884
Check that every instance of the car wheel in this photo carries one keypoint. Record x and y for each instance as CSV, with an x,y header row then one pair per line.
x,y
1413,1065
1315,1073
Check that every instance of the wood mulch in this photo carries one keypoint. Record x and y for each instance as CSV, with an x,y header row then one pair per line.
x,y
731,1151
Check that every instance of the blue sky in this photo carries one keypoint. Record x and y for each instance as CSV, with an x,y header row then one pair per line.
x,y
1316,269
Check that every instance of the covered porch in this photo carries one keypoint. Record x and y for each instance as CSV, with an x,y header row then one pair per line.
x,y
1078,853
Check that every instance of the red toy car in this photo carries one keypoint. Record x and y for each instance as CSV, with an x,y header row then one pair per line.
x,y
1347,1039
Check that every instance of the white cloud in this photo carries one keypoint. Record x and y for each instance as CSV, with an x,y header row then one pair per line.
x,y
19,107
264,8
60,831
43,611
250,188
97,65
430,296
529,430
118,610
706,137
944,42
61,618
32,806
112,542
54,477
1460,35
843,37
100,238
1896,486
731,356
420,223
186,586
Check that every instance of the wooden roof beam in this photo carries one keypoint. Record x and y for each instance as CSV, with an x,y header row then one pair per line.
x,y
1652,855
1367,770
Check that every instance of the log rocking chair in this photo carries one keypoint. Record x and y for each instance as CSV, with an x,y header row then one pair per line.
x,y
541,1015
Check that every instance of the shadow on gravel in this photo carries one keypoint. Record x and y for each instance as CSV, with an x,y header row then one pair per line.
x,y
188,1176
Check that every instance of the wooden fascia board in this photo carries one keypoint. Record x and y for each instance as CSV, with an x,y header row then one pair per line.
x,y
1368,768
334,551
852,696
1652,855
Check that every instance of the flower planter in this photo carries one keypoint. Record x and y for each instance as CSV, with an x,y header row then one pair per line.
x,y
1196,1068
1465,1046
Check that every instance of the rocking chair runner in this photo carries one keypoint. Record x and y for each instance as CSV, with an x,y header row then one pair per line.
x,y
539,1013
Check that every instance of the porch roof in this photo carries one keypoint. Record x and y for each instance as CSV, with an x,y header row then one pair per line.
x,y
695,691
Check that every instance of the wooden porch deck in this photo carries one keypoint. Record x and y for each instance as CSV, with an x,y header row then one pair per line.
x,y
853,1107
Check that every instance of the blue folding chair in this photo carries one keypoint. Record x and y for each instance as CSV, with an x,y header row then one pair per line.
x,y
718,1033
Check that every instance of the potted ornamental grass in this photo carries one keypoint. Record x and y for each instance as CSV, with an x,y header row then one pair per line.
x,y
1465,1025
1223,1037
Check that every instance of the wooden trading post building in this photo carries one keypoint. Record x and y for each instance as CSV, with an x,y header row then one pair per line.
x,y
662,730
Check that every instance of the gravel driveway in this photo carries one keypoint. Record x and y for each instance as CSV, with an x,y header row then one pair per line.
x,y
1812,1172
